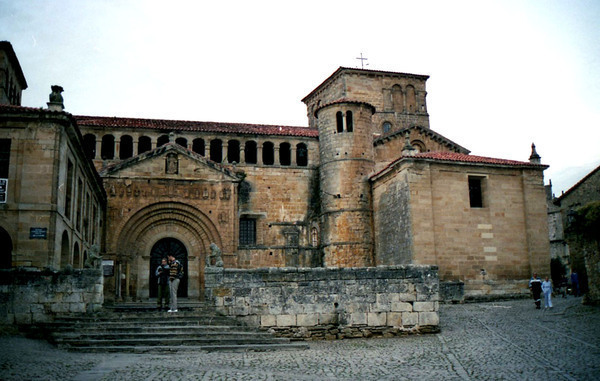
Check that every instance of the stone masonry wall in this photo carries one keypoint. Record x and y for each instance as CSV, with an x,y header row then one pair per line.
x,y
329,303
34,296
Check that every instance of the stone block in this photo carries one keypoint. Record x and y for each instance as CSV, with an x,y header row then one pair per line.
x,y
77,307
375,319
401,307
429,318
358,318
268,320
328,318
410,319
307,320
423,307
394,319
286,320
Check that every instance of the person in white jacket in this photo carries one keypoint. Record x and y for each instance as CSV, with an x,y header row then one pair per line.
x,y
547,289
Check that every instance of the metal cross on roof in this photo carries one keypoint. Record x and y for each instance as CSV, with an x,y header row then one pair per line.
x,y
362,61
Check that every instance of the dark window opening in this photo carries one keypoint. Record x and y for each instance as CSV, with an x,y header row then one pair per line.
x,y
89,146
250,152
301,155
268,154
4,157
162,140
126,147
182,142
475,192
387,127
339,120
285,154
233,151
69,191
144,144
107,152
198,146
247,231
216,150
349,122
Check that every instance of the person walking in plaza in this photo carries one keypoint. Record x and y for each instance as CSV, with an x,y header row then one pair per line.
x,y
162,273
547,289
175,275
575,283
535,285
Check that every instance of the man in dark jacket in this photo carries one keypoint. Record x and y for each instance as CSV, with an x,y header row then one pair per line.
x,y
162,273
175,275
535,284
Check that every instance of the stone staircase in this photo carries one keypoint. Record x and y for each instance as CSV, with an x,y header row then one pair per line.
x,y
140,328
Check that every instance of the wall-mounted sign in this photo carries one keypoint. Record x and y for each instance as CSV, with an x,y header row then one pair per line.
x,y
108,267
3,190
38,233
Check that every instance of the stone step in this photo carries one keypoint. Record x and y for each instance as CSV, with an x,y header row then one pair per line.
x,y
158,349
181,333
139,328
177,341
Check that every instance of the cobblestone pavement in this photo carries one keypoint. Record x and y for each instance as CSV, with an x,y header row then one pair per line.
x,y
508,340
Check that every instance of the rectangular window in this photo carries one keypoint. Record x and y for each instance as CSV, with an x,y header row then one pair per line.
x,y
247,231
69,191
476,191
4,158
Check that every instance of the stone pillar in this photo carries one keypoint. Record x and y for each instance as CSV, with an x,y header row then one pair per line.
x,y
224,152
276,155
242,153
259,160
293,160
98,148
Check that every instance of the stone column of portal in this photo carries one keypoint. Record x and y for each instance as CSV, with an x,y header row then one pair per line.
x,y
346,160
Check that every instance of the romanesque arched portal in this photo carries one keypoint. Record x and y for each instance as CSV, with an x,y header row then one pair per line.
x,y
158,228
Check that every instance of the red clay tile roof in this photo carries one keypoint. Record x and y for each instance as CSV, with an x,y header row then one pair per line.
x,y
461,158
183,125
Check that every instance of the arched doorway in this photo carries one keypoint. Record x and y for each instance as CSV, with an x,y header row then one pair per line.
x,y
65,252
162,249
5,250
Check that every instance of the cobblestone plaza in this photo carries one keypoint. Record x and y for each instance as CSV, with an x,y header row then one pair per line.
x,y
505,340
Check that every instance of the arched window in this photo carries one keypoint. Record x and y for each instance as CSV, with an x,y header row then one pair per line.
x,y
216,150
285,154
418,145
76,259
387,127
162,140
349,121
182,142
126,147
250,152
411,99
233,151
5,250
144,144
65,252
301,155
339,121
268,153
198,146
397,101
108,147
89,146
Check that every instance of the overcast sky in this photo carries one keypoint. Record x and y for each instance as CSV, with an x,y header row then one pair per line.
x,y
503,74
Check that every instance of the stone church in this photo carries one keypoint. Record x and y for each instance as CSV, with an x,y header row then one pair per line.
x,y
366,183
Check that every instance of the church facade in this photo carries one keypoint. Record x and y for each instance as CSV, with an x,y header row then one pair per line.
x,y
367,183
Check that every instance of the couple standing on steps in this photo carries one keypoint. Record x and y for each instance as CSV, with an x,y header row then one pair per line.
x,y
169,274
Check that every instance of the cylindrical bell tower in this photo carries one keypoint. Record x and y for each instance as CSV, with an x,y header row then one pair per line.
x,y
346,160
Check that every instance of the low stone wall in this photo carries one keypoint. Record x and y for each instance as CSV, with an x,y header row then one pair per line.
x,y
34,296
329,303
